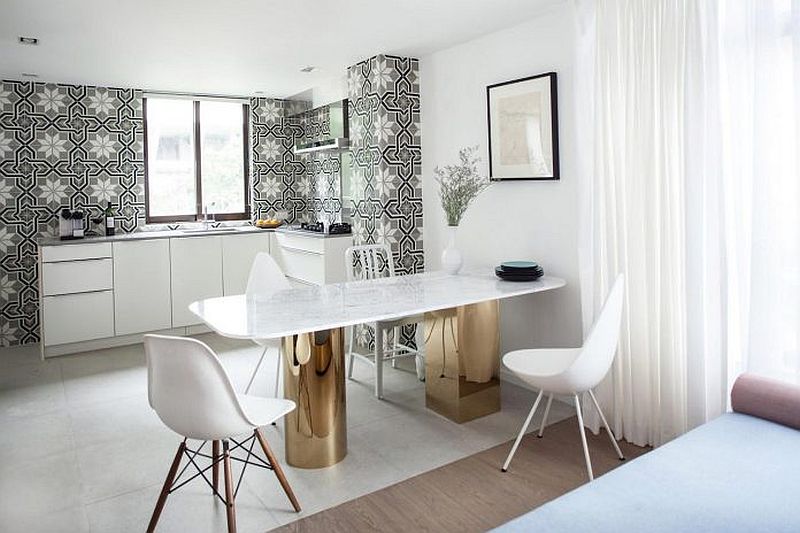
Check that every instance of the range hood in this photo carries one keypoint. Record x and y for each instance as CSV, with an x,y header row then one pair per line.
x,y
335,143
325,128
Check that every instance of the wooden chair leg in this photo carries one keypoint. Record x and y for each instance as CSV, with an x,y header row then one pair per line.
x,y
162,498
215,461
229,495
276,467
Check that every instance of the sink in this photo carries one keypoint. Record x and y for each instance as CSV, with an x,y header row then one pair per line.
x,y
210,230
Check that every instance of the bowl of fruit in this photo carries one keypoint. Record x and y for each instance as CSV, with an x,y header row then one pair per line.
x,y
268,223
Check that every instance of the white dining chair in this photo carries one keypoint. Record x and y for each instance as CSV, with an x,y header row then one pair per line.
x,y
372,261
572,371
190,392
266,278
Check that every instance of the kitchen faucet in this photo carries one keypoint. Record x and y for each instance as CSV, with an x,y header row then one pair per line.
x,y
205,215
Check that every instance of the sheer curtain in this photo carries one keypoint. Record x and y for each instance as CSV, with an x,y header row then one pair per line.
x,y
692,190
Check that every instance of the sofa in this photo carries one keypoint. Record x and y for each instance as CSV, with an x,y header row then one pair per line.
x,y
739,472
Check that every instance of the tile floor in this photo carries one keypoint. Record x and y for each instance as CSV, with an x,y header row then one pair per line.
x,y
80,449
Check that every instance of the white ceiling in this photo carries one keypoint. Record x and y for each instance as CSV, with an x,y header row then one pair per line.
x,y
235,47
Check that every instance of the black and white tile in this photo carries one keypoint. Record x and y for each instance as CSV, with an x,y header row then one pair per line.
x,y
384,119
82,146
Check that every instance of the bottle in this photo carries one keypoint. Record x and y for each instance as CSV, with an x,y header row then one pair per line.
x,y
109,216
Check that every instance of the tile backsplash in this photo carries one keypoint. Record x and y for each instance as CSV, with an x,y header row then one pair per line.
x,y
82,146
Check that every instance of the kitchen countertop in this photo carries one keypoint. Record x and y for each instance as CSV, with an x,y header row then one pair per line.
x,y
172,234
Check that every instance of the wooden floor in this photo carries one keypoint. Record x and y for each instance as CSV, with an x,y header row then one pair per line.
x,y
472,494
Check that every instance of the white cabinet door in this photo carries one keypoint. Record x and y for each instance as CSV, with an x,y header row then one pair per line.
x,y
238,252
196,274
77,317
142,286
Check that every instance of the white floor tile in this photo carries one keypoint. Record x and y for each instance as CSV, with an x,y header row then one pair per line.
x,y
81,447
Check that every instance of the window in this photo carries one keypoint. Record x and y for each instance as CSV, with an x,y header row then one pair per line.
x,y
195,159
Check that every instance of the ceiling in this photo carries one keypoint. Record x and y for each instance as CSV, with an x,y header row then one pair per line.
x,y
232,47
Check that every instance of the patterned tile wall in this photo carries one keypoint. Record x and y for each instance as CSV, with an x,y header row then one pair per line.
x,y
385,146
321,176
274,165
387,157
80,146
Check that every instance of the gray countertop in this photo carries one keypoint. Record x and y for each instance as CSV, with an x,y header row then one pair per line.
x,y
171,234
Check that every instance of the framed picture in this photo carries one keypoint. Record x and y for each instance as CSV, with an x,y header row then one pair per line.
x,y
523,128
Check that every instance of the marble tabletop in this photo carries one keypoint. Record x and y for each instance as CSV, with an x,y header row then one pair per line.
x,y
302,310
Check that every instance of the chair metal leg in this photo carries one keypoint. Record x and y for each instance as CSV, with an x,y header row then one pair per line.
x,y
351,338
522,431
378,362
278,372
608,429
395,345
544,418
583,438
255,372
419,360
276,467
215,463
162,498
230,507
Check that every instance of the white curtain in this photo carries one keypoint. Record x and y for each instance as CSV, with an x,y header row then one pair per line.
x,y
693,190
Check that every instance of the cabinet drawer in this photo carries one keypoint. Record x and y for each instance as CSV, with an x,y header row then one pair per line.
x,y
304,266
77,317
77,276
301,242
73,252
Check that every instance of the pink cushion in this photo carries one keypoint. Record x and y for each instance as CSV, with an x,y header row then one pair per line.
x,y
767,398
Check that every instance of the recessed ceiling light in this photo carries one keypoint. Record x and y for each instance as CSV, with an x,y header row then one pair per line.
x,y
309,68
29,75
29,40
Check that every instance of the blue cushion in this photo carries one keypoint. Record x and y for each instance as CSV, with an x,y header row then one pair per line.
x,y
735,473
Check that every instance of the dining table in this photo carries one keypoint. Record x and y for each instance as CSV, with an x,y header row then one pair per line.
x,y
458,330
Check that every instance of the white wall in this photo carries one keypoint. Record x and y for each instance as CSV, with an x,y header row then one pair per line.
x,y
522,220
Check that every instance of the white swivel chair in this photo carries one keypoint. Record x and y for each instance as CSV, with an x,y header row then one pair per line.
x,y
375,261
266,278
191,393
572,371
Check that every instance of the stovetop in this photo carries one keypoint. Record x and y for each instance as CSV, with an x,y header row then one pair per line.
x,y
335,228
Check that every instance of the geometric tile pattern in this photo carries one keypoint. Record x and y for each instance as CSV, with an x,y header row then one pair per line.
x,y
385,145
387,157
322,170
60,145
274,165
82,146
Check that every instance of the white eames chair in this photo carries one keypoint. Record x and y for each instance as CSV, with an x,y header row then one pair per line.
x,y
191,393
572,371
375,261
265,279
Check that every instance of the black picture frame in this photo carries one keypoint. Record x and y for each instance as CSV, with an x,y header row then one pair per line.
x,y
495,173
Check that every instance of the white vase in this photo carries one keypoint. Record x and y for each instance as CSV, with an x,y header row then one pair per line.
x,y
451,257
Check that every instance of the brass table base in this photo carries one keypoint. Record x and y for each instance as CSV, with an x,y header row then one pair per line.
x,y
462,358
315,432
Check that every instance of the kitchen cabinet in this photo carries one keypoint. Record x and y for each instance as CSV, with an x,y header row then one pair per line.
x,y
238,253
69,277
78,317
142,294
196,274
311,259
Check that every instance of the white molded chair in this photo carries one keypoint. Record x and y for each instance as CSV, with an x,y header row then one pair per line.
x,y
191,393
266,278
375,261
572,371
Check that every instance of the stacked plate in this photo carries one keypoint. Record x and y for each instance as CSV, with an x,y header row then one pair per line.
x,y
519,271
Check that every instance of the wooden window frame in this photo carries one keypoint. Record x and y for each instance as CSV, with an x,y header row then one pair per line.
x,y
198,174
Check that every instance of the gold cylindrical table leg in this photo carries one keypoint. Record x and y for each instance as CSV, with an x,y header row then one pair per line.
x,y
462,358
315,432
